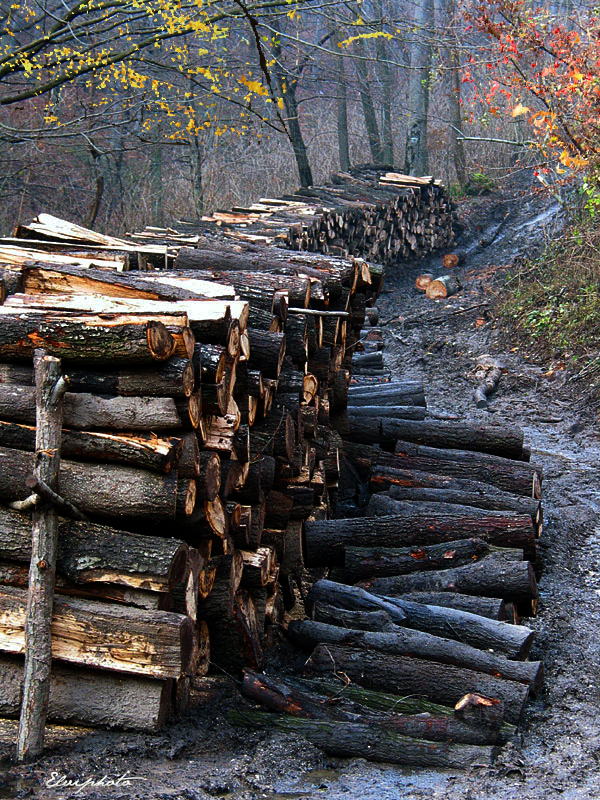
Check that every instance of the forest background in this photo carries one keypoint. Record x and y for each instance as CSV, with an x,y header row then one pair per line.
x,y
122,113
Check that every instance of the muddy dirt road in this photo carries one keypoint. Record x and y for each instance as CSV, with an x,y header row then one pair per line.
x,y
204,757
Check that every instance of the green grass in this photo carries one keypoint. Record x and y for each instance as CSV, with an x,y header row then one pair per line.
x,y
552,305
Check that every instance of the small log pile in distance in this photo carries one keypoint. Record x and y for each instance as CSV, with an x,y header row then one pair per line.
x,y
415,650
196,444
370,212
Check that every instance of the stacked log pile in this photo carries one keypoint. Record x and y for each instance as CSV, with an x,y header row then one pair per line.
x,y
195,444
370,212
416,654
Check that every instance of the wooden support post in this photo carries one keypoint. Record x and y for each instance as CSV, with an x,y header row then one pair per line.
x,y
50,389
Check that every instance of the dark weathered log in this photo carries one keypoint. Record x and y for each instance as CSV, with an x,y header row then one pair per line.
x,y
492,607
470,493
365,740
171,378
405,642
146,451
324,541
232,477
213,359
278,509
91,698
208,477
514,641
369,562
110,491
493,439
396,394
153,643
357,413
492,577
442,683
91,412
384,504
361,620
49,395
297,702
505,474
257,567
94,553
273,436
267,351
408,705
114,339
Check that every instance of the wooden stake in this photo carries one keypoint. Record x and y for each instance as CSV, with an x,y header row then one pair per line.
x,y
50,390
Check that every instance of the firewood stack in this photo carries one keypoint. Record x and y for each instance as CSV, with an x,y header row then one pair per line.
x,y
196,444
371,213
416,654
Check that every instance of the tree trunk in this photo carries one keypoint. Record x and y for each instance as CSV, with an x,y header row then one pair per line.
x,y
365,740
416,161
491,607
111,341
442,727
145,451
370,562
366,99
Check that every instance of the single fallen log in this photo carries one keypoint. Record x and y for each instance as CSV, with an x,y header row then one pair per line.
x,y
474,715
513,641
442,683
488,383
384,505
423,281
406,642
156,644
356,740
491,577
90,697
114,339
110,491
325,540
443,727
442,287
370,562
90,553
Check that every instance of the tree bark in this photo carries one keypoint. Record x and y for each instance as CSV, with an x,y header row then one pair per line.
x,y
370,562
492,607
89,553
416,160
